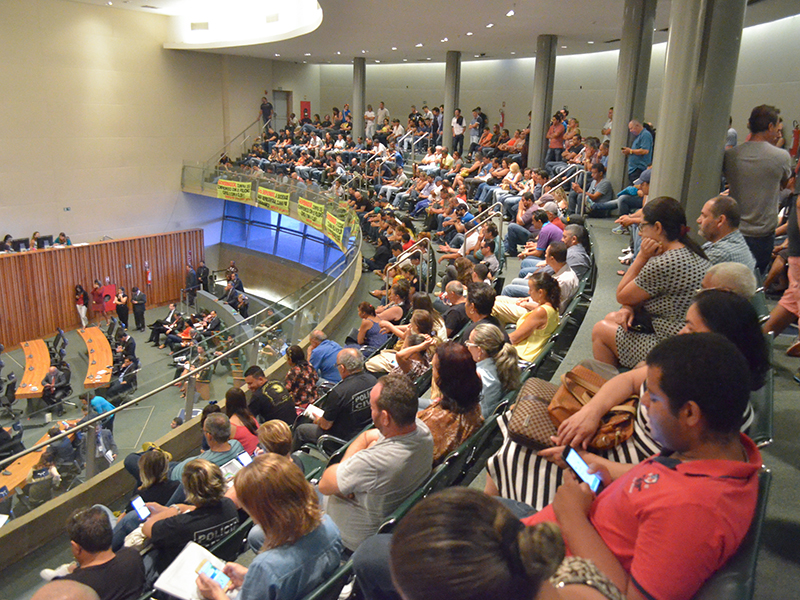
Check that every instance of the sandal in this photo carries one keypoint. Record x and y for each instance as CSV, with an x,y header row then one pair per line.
x,y
621,272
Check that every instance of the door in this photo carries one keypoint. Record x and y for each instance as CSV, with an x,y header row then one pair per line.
x,y
281,102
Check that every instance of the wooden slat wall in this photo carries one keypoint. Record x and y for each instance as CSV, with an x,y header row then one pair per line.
x,y
37,289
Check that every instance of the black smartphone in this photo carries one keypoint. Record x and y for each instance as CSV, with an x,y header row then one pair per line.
x,y
581,469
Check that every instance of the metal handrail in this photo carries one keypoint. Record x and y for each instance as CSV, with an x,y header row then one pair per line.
x,y
575,174
408,253
353,250
216,155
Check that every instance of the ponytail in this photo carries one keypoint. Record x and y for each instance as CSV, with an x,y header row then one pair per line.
x,y
507,365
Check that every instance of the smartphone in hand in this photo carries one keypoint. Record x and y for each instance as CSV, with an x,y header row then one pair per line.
x,y
581,469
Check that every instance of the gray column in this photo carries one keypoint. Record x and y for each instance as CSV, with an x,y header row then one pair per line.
x,y
359,95
452,87
543,77
633,71
702,55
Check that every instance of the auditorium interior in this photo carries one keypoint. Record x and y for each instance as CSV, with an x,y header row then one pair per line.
x,y
115,118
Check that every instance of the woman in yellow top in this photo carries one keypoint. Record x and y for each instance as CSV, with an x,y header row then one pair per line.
x,y
536,326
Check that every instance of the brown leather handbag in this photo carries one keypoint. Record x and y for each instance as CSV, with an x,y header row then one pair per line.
x,y
530,423
578,387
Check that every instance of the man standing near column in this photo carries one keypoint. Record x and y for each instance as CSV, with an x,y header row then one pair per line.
x,y
640,154
756,171
458,131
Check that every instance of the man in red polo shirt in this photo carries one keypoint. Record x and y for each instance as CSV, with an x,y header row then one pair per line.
x,y
664,527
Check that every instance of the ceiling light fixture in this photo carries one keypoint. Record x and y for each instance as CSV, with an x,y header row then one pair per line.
x,y
277,55
428,58
510,13
590,42
490,25
469,33
477,56
513,53
377,61
338,53
394,47
405,60
307,54
443,40
418,46
563,46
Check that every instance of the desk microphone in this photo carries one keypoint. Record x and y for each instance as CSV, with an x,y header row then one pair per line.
x,y
91,351
90,341
30,368
94,362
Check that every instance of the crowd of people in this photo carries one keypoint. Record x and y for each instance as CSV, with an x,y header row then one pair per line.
x,y
678,496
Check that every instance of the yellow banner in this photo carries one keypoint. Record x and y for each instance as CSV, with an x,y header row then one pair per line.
x,y
274,201
311,213
234,190
334,228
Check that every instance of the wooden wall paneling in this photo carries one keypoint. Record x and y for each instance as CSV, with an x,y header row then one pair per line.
x,y
37,288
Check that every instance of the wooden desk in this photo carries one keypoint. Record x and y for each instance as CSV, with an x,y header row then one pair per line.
x,y
20,468
38,357
98,373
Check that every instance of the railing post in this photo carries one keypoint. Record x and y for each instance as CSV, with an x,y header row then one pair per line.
x,y
91,451
189,405
252,354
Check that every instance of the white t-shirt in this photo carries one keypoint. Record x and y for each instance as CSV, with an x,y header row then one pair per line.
x,y
458,129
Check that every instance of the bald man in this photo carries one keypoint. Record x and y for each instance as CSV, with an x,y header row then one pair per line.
x,y
65,590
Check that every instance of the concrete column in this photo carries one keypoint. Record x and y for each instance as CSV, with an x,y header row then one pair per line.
x,y
633,71
359,96
452,87
543,77
702,56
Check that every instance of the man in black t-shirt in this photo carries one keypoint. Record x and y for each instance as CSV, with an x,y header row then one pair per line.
x,y
266,110
346,406
269,399
456,316
113,576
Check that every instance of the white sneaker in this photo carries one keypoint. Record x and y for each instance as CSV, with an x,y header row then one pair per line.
x,y
626,255
50,574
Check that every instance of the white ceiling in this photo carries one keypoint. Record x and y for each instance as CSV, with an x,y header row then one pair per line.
x,y
371,28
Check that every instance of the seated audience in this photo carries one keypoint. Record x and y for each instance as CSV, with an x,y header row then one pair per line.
x,y
497,364
244,426
732,277
656,290
301,379
712,311
114,575
346,406
205,518
454,416
268,399
301,546
555,257
536,316
719,225
322,356
382,466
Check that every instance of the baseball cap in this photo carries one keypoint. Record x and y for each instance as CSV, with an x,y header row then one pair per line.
x,y
644,177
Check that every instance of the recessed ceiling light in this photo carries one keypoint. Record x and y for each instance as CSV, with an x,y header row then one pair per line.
x,y
563,46
513,53
405,60
510,13
363,52
469,33
394,47
277,55
418,46
477,56
428,58
590,42
443,40
110,3
307,54
305,62
490,25
338,53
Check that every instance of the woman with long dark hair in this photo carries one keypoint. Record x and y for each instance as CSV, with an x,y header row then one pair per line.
x,y
301,380
244,426
656,290
82,304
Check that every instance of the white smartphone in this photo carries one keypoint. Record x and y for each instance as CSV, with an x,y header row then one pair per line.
x,y
581,469
244,458
140,508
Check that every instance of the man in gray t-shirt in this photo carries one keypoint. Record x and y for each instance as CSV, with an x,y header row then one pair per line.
x,y
382,466
756,170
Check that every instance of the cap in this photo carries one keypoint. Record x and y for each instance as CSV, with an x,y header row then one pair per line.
x,y
644,177
551,207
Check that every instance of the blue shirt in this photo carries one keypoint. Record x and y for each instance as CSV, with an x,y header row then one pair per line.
x,y
323,359
294,570
635,161
101,405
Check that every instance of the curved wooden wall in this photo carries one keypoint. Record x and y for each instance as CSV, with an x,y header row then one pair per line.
x,y
37,289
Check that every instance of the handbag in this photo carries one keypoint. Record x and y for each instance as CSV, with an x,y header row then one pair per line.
x,y
578,387
530,423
